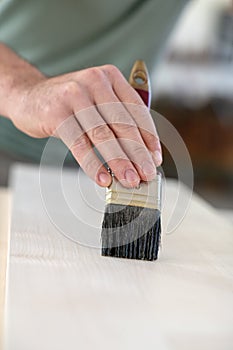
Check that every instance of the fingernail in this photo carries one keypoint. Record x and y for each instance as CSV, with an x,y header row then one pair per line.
x,y
157,156
148,168
104,179
131,176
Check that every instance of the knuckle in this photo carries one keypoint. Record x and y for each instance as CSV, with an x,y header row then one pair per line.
x,y
119,116
119,164
95,73
46,108
91,166
80,145
152,140
127,129
140,151
70,88
101,133
111,69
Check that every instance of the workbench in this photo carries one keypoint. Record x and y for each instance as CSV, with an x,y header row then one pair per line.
x,y
61,294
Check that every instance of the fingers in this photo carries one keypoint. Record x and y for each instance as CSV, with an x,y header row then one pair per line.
x,y
78,142
138,111
123,133
147,130
81,144
129,138
123,121
83,152
102,136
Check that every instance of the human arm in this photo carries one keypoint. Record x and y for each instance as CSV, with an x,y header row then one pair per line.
x,y
42,106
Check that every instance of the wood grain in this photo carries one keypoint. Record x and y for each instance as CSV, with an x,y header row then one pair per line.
x,y
64,295
4,235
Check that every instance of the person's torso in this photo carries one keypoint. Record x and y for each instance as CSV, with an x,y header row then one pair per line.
x,y
60,36
64,35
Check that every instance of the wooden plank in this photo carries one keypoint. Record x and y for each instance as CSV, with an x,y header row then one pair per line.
x,y
65,295
4,235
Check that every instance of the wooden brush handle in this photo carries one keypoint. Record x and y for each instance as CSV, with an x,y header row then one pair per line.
x,y
139,80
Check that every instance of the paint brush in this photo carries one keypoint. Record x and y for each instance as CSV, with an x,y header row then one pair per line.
x,y
131,225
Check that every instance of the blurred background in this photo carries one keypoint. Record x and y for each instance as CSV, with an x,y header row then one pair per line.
x,y
193,88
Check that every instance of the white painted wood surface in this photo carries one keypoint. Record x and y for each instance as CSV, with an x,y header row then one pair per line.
x,y
63,295
5,196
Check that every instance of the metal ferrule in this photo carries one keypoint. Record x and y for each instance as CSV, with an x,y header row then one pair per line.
x,y
147,195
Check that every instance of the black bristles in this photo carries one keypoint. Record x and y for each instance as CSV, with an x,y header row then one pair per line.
x,y
131,232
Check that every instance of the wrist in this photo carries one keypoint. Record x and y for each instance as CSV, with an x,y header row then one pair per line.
x,y
18,87
18,80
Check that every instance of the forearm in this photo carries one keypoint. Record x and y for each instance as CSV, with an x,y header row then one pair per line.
x,y
15,75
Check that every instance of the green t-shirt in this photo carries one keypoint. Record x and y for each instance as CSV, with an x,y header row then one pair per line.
x,y
61,36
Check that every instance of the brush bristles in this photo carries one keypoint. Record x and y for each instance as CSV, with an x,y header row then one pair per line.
x,y
131,232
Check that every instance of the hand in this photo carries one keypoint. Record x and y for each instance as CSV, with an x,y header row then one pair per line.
x,y
93,107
